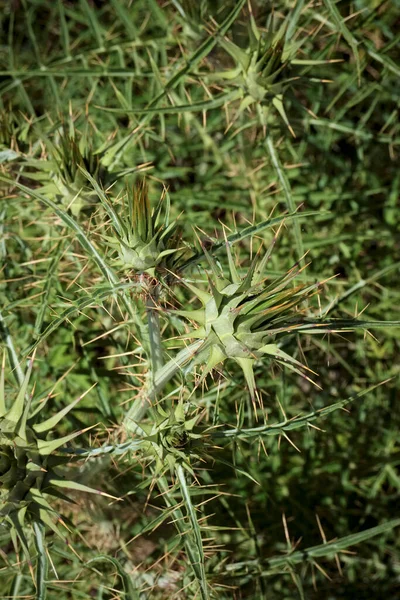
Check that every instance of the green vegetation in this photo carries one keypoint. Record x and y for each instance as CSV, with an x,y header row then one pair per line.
x,y
199,309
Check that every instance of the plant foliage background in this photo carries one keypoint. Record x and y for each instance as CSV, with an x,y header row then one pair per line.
x,y
264,464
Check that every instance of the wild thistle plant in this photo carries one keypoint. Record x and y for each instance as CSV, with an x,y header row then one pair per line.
x,y
61,173
263,70
32,471
97,256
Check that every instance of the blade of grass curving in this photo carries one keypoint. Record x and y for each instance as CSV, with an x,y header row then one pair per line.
x,y
64,29
48,283
29,19
94,24
15,590
125,18
293,19
216,102
384,60
345,32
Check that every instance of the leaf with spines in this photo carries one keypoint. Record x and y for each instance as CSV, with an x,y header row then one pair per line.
x,y
30,467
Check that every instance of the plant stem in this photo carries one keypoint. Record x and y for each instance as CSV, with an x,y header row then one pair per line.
x,y
161,378
153,323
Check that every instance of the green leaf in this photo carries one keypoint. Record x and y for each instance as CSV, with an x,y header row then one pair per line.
x,y
51,422
216,102
80,487
287,191
290,424
17,409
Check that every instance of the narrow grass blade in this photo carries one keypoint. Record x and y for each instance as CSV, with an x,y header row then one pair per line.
x,y
216,102
280,171
345,32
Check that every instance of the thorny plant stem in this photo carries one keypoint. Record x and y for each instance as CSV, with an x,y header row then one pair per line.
x,y
153,324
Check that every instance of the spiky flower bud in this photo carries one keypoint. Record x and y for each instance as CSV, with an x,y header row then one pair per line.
x,y
145,239
63,173
172,439
261,71
242,318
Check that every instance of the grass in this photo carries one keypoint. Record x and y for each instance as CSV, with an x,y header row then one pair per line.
x,y
228,355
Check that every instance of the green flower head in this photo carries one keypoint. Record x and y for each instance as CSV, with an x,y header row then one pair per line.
x,y
144,238
242,317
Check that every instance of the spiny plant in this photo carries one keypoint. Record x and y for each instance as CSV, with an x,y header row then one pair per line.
x,y
68,185
89,280
32,471
59,170
263,70
145,239
241,314
172,439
